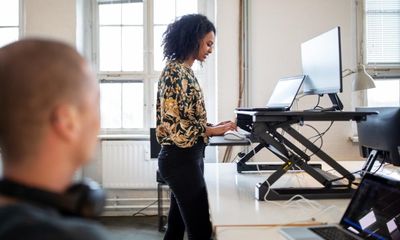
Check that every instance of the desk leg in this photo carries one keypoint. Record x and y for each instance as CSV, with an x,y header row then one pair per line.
x,y
309,193
161,217
242,166
263,188
250,154
319,153
264,191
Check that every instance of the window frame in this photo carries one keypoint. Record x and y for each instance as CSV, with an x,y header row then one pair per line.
x,y
379,72
383,80
21,18
149,76
144,76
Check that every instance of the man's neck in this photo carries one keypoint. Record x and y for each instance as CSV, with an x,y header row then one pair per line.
x,y
52,176
4,200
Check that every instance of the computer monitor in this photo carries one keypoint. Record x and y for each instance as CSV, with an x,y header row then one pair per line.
x,y
379,135
322,64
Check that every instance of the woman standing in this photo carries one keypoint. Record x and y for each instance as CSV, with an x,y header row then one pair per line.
x,y
182,127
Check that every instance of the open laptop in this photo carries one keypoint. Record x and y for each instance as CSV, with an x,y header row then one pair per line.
x,y
373,213
283,96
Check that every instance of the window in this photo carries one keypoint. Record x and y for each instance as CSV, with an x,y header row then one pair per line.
x,y
129,58
9,21
116,97
121,36
382,31
165,12
379,97
382,50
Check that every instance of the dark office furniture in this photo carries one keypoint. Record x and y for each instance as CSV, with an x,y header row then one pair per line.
x,y
264,127
379,136
162,219
155,148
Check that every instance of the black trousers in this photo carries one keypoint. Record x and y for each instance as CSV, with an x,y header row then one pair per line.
x,y
182,169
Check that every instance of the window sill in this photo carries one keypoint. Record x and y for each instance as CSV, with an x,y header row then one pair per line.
x,y
123,137
354,139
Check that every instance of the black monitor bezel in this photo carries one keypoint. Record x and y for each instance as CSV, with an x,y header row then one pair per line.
x,y
370,142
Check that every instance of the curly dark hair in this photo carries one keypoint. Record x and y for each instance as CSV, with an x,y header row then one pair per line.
x,y
182,38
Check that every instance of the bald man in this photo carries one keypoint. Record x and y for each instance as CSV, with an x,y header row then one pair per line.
x,y
49,120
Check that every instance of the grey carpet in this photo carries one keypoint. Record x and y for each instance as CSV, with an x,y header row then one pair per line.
x,y
132,228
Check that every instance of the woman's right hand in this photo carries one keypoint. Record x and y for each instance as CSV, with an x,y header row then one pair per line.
x,y
220,129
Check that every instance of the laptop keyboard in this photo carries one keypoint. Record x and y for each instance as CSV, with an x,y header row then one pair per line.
x,y
332,233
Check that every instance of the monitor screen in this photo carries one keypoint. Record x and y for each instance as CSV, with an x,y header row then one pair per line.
x,y
321,62
374,210
285,91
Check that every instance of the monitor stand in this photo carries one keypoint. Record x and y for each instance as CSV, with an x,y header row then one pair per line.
x,y
369,163
337,105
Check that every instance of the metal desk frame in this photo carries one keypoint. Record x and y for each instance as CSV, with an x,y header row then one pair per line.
x,y
264,127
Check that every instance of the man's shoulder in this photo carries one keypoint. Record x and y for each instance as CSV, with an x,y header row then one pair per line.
x,y
23,221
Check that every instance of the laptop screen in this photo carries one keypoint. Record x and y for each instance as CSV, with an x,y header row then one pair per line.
x,y
285,92
374,211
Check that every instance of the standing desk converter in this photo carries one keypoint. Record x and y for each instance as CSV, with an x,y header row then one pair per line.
x,y
264,126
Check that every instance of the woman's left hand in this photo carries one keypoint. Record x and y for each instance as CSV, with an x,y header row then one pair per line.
x,y
225,122
229,125
220,129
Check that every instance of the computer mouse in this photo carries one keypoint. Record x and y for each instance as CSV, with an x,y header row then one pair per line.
x,y
233,135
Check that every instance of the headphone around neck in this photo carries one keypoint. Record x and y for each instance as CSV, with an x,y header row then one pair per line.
x,y
84,199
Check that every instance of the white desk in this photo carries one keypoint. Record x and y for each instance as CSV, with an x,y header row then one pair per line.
x,y
236,214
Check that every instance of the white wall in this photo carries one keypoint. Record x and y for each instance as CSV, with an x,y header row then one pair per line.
x,y
277,30
55,19
227,68
227,25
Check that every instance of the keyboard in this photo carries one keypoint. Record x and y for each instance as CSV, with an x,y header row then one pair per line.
x,y
263,109
332,233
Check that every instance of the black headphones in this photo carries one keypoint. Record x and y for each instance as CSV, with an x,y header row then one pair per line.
x,y
84,199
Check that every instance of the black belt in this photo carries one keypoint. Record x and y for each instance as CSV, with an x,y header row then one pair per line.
x,y
199,142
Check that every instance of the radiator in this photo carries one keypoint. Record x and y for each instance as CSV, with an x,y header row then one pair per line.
x,y
127,165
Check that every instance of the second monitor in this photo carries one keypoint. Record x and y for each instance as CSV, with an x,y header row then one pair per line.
x,y
379,136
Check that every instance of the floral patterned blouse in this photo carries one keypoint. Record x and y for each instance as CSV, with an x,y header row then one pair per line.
x,y
181,113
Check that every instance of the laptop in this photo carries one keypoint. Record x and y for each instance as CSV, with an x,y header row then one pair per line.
x,y
283,96
373,213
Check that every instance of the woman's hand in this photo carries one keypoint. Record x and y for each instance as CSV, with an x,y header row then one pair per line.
x,y
220,128
222,123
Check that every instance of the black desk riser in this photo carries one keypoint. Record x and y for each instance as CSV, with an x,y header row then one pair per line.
x,y
264,127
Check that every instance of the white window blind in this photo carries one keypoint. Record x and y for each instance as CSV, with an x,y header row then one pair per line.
x,y
382,18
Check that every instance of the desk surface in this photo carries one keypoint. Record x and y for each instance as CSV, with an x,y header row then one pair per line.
x,y
232,203
221,141
265,116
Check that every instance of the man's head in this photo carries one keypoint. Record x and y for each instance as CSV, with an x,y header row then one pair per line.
x,y
49,101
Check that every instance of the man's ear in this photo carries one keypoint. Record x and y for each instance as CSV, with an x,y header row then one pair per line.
x,y
65,121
